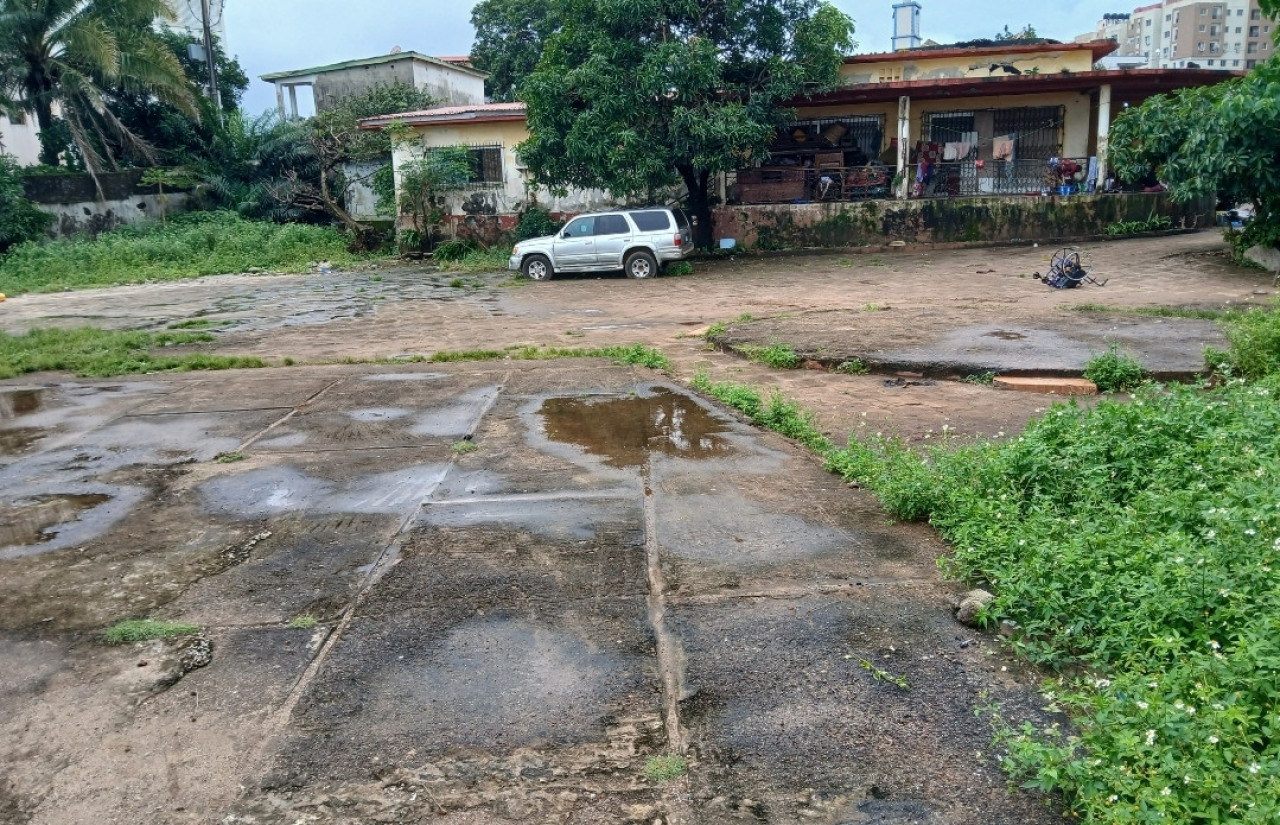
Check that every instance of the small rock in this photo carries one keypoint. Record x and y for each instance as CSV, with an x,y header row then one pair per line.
x,y
197,653
1008,629
973,601
254,270
810,364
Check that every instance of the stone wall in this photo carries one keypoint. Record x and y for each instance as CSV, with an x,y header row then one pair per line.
x,y
871,223
80,207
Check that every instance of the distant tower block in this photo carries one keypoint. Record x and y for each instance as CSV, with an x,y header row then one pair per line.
x,y
906,25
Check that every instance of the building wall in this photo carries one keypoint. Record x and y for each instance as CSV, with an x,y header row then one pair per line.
x,y
447,84
513,193
22,140
82,206
333,87
922,67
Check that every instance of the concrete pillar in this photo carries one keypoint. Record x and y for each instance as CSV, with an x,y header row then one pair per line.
x,y
293,102
904,146
1104,131
280,99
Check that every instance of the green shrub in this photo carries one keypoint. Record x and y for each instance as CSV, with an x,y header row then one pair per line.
x,y
679,268
1255,344
665,768
536,222
450,251
20,220
853,367
1113,371
188,246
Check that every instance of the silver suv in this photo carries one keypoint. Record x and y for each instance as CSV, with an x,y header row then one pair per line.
x,y
636,241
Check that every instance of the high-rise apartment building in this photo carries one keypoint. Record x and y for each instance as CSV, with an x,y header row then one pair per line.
x,y
1231,35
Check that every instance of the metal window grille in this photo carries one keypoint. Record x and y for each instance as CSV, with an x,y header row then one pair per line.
x,y
865,132
486,164
1037,133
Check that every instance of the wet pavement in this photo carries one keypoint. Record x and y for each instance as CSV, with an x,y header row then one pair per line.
x,y
403,628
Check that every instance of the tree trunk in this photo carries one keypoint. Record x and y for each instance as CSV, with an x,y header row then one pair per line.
x,y
698,182
44,118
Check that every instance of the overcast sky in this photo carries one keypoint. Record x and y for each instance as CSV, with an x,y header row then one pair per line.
x,y
280,35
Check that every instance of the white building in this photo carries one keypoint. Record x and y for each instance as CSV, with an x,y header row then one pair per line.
x,y
1228,35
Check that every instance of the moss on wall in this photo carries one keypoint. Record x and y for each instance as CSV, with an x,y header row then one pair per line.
x,y
946,220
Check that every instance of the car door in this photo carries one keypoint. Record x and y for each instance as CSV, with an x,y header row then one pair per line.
x,y
575,246
612,235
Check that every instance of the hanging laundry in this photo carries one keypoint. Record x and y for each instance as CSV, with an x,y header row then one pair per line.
x,y
956,150
1002,148
1091,179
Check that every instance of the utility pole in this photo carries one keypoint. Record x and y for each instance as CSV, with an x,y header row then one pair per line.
x,y
209,59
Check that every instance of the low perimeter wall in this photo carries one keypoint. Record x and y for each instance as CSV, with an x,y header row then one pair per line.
x,y
74,201
956,220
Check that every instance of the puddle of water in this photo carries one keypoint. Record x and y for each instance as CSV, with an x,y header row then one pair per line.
x,y
625,430
34,522
1005,335
17,441
22,401
378,414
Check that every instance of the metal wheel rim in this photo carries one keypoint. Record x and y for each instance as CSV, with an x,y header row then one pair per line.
x,y
639,268
537,270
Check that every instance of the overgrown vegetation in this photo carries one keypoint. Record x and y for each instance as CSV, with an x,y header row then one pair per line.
x,y
97,352
1255,344
636,354
464,447
20,220
1153,223
854,366
1156,312
188,246
477,260
1132,546
1115,371
143,630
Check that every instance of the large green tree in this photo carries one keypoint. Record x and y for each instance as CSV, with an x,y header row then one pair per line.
x,y
68,53
509,38
1215,140
635,96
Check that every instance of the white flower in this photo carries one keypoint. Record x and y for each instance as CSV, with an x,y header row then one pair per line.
x,y
1213,740
1177,559
1151,738
1214,645
1251,532
1143,705
1254,767
1211,534
1191,710
1165,791
1113,799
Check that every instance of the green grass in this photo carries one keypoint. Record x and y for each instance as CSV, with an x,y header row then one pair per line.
x,y
665,768
1134,547
188,246
231,458
1156,312
636,354
95,352
142,630
198,323
303,622
776,354
1255,344
464,447
481,260
982,379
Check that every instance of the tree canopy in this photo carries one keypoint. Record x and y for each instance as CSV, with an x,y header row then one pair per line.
x,y
66,54
1215,140
509,38
634,96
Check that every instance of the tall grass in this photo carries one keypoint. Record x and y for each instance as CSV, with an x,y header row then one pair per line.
x,y
188,246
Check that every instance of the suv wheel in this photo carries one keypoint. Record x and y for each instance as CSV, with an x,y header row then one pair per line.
x,y
536,268
641,265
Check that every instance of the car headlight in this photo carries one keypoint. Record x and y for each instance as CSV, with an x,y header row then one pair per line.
x,y
515,251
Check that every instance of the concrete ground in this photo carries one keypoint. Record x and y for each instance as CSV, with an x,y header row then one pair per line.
x,y
396,627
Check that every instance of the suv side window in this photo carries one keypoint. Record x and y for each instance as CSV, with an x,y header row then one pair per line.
x,y
612,225
580,228
652,220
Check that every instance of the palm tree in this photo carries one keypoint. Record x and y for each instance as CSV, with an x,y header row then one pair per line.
x,y
64,53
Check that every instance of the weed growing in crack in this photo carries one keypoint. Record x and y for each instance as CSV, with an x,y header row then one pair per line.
x,y
853,366
984,379
464,447
665,768
304,622
778,355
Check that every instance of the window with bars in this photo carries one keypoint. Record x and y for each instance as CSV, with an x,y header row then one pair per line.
x,y
861,132
486,164
1038,129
